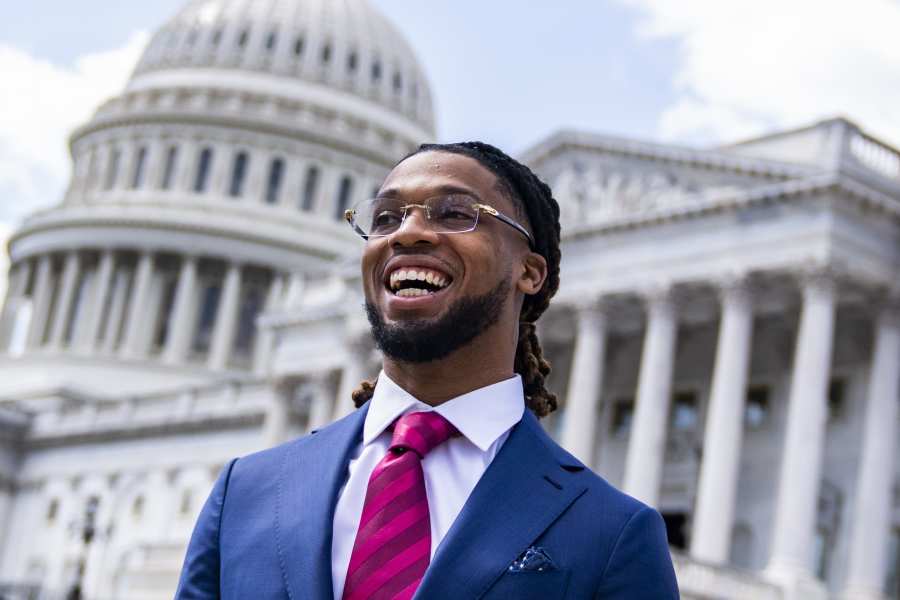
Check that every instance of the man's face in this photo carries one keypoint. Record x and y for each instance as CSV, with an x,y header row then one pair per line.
x,y
478,271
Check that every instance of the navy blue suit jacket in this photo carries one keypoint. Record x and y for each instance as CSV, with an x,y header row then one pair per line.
x,y
265,531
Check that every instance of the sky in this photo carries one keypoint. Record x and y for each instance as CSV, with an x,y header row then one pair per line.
x,y
693,72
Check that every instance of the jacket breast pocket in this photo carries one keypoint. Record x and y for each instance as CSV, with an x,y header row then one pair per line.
x,y
530,585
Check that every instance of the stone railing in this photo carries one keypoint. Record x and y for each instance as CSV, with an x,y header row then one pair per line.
x,y
702,581
875,156
229,400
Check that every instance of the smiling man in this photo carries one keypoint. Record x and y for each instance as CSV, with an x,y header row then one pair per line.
x,y
442,484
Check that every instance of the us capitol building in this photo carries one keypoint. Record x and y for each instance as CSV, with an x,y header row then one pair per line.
x,y
726,341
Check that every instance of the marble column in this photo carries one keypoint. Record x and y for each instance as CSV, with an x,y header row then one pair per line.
x,y
321,403
265,337
226,319
101,291
717,487
647,443
43,295
790,562
15,292
870,526
278,415
585,382
63,309
356,369
181,322
137,313
116,310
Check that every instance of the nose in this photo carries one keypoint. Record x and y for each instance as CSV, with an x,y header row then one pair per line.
x,y
414,229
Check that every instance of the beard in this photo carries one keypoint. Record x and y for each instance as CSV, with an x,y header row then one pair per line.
x,y
426,340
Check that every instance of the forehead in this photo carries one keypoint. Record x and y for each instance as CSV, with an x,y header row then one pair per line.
x,y
429,173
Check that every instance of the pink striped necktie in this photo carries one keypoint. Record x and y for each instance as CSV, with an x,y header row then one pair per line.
x,y
393,542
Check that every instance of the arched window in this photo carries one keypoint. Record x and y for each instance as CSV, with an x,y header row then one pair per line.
x,y
216,37
345,189
242,38
326,54
270,40
352,61
137,177
376,71
398,81
298,46
238,175
169,168
273,187
309,188
112,170
203,167
206,317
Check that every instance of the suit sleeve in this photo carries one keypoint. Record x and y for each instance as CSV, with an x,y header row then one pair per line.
x,y
200,572
640,566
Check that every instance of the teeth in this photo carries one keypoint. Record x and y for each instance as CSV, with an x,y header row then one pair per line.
x,y
431,277
412,292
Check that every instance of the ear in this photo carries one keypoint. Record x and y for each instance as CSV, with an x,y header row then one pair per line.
x,y
533,274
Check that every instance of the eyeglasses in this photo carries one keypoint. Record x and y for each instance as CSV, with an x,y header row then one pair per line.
x,y
452,213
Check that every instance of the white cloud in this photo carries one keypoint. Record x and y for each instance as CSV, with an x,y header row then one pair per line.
x,y
747,67
40,105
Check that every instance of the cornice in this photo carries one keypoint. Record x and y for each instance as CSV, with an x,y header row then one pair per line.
x,y
565,140
789,190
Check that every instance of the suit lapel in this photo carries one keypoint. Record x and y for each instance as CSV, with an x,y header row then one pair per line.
x,y
520,494
312,472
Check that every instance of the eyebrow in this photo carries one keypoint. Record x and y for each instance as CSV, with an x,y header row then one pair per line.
x,y
442,189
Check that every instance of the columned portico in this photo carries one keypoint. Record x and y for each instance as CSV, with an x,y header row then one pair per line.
x,y
643,465
355,370
801,466
116,311
585,382
717,487
180,326
873,503
226,319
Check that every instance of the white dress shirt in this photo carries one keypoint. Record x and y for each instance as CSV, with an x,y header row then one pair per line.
x,y
483,417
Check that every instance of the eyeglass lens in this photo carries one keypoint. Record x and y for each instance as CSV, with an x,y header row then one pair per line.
x,y
383,216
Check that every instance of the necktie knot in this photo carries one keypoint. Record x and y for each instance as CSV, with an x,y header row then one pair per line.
x,y
421,432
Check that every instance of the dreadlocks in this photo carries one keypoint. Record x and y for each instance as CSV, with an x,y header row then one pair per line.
x,y
535,200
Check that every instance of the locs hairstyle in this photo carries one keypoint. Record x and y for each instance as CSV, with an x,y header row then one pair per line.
x,y
535,200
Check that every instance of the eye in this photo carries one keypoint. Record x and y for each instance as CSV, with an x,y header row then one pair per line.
x,y
455,212
386,218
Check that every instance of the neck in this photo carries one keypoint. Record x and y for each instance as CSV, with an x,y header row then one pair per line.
x,y
482,362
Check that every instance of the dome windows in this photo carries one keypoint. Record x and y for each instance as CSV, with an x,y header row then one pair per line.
x,y
326,54
345,189
398,82
376,71
273,185
137,177
242,38
238,175
112,170
352,62
204,163
271,39
298,46
169,168
310,186
192,37
217,37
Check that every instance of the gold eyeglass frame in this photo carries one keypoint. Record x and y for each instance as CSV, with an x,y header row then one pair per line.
x,y
349,216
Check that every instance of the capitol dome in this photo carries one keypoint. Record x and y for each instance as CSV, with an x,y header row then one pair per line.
x,y
210,190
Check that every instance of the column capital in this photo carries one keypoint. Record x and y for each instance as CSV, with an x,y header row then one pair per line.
x,y
736,287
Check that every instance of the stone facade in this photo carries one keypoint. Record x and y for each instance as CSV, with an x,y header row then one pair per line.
x,y
726,343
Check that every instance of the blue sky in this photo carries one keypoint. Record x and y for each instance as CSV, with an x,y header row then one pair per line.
x,y
695,72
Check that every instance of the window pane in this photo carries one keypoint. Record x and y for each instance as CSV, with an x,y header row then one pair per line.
x,y
208,306
238,174
112,172
203,167
309,188
274,185
138,178
169,170
343,199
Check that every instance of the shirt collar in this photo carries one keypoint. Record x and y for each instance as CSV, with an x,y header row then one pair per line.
x,y
482,415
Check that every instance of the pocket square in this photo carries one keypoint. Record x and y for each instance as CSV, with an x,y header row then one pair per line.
x,y
533,559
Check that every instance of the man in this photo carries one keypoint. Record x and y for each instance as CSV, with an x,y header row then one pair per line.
x,y
442,484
